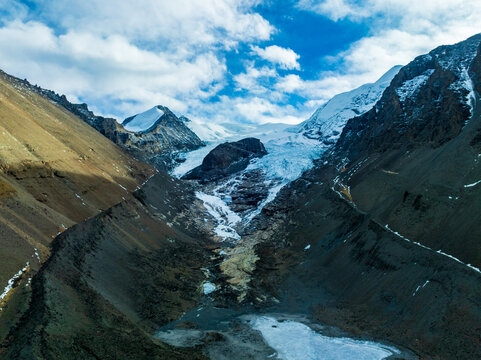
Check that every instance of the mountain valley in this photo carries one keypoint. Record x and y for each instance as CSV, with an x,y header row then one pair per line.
x,y
354,234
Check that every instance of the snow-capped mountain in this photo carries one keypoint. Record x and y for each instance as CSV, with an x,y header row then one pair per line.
x,y
327,122
144,121
429,100
158,136
209,132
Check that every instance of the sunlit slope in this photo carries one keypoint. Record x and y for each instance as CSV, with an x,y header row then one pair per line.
x,y
55,170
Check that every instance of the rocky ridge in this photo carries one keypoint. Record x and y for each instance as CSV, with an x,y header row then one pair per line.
x,y
160,146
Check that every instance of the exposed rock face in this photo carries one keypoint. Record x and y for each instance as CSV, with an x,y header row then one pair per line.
x,y
227,159
428,101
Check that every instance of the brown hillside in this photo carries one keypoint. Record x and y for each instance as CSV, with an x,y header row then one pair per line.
x,y
55,171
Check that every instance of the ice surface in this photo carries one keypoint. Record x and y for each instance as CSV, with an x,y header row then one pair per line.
x,y
208,288
225,217
193,159
145,120
293,340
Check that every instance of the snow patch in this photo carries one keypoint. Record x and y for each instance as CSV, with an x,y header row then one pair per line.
x,y
36,254
440,252
11,282
209,288
473,184
420,287
328,121
411,87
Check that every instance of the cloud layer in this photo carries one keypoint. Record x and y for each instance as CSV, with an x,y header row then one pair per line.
x,y
123,57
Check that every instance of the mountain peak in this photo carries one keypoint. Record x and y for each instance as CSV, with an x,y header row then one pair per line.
x,y
143,122
329,120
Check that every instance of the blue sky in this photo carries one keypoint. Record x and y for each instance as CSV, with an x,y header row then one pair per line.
x,y
251,61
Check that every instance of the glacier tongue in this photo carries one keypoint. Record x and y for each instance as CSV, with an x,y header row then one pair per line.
x,y
291,151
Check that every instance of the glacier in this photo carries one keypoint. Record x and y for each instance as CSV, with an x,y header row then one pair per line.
x,y
292,150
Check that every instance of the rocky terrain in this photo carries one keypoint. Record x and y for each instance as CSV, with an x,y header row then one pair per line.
x,y
94,297
373,250
55,171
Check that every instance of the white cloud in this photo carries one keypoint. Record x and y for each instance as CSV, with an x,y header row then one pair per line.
x,y
122,56
253,78
284,58
252,109
86,65
179,22
334,9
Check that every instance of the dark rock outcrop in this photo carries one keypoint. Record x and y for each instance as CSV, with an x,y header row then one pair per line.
x,y
227,159
426,103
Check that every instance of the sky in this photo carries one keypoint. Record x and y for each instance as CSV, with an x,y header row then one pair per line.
x,y
222,61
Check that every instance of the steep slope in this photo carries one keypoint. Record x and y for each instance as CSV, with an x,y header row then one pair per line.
x,y
114,279
420,151
55,171
382,237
